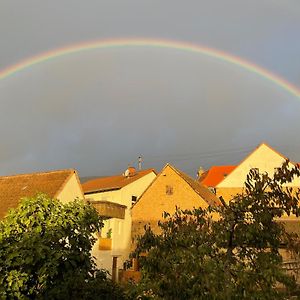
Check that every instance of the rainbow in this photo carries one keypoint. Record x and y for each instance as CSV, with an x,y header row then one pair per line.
x,y
157,43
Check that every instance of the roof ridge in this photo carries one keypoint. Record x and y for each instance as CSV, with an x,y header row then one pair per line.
x,y
65,182
219,166
253,151
118,175
180,172
40,172
198,184
113,182
185,176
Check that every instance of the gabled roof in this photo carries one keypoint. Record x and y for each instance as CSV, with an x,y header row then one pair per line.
x,y
259,147
109,183
15,187
215,175
200,189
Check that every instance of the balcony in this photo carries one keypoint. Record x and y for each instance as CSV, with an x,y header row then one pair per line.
x,y
108,209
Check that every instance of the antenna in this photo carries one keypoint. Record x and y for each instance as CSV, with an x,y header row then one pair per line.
x,y
200,172
140,160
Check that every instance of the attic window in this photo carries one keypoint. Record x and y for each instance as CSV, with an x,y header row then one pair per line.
x,y
133,199
169,190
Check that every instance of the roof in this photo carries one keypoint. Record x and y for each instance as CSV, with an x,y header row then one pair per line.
x,y
215,175
199,188
116,182
250,154
15,187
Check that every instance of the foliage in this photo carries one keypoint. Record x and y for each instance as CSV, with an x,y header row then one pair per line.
x,y
94,287
108,233
46,251
233,256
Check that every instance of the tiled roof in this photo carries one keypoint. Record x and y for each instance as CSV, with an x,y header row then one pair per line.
x,y
199,188
215,175
13,188
112,182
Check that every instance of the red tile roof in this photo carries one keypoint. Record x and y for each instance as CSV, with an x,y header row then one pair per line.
x,y
13,188
113,182
215,175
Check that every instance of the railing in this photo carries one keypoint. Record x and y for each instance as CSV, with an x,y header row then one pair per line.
x,y
109,209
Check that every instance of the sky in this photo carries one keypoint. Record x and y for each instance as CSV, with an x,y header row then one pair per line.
x,y
98,110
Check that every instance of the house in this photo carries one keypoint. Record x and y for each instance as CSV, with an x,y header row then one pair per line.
x,y
212,177
170,189
115,195
227,181
62,184
264,159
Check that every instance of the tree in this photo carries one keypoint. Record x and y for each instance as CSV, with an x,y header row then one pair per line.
x,y
235,256
46,251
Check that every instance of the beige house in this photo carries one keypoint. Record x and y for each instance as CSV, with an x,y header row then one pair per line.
x,y
264,159
227,181
113,196
62,184
171,188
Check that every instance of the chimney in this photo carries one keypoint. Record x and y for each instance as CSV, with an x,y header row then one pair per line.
x,y
200,172
130,171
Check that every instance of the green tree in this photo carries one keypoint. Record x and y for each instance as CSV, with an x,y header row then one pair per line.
x,y
235,256
46,252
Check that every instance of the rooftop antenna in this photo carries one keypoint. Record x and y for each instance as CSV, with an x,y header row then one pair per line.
x,y
140,160
200,172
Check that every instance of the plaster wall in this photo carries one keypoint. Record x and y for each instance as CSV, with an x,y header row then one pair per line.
x,y
155,200
121,228
71,190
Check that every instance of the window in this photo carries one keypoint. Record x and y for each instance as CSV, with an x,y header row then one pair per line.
x,y
169,190
133,199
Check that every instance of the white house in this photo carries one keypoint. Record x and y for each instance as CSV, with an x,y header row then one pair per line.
x,y
264,159
113,197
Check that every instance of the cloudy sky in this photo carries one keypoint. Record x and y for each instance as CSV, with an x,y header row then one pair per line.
x,y
98,110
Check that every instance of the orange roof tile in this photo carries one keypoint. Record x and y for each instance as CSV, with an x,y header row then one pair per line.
x,y
15,187
112,182
215,175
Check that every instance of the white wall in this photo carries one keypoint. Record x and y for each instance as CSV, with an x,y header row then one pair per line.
x,y
263,158
71,190
121,229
